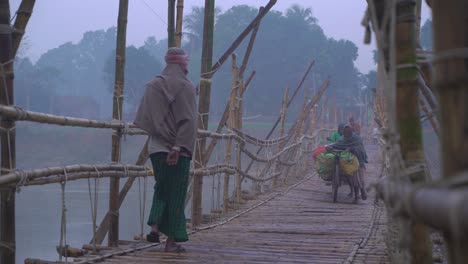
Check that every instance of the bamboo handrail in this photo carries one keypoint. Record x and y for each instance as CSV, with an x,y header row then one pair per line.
x,y
24,175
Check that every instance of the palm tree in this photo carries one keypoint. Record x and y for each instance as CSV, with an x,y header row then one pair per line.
x,y
299,13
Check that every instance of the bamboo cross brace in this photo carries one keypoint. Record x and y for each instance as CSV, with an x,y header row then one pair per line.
x,y
22,18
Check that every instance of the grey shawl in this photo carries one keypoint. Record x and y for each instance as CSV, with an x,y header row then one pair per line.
x,y
168,109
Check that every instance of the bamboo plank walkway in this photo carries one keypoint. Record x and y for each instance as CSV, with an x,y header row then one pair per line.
x,y
301,226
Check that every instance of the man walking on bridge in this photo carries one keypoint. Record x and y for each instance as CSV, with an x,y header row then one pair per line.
x,y
168,113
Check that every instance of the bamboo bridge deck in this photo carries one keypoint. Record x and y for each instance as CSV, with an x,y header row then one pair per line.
x,y
297,225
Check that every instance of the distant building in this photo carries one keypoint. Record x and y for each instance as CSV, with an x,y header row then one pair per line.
x,y
75,106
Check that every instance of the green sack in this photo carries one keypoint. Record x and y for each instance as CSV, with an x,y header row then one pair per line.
x,y
325,165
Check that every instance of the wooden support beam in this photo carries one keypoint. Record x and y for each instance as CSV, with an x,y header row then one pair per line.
x,y
430,116
242,69
451,83
22,18
117,115
407,115
231,125
7,138
240,38
282,122
171,38
179,21
203,107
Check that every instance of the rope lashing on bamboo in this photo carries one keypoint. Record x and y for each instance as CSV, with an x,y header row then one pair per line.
x,y
200,118
208,74
22,182
6,29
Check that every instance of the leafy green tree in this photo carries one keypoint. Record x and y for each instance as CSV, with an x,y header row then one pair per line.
x,y
81,66
35,86
156,48
193,24
140,67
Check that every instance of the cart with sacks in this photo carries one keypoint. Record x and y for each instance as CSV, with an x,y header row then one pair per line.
x,y
338,167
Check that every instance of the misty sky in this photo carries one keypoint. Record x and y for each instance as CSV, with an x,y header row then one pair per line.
x,y
55,22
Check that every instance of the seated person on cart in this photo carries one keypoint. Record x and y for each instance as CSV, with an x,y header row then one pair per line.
x,y
354,143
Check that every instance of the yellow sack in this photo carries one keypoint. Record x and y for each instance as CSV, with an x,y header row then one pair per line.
x,y
349,164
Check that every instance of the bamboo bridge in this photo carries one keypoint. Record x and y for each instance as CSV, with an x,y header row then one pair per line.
x,y
287,215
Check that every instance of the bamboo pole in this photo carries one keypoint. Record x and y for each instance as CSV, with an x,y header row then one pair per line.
x,y
224,118
7,139
450,29
248,51
242,69
13,112
231,124
282,122
22,18
240,38
407,115
238,126
113,237
426,92
289,103
432,120
179,20
171,38
293,130
203,107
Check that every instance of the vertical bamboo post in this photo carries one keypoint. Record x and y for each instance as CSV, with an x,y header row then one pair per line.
x,y
238,124
407,115
231,125
179,21
8,139
203,106
450,82
117,115
282,122
171,38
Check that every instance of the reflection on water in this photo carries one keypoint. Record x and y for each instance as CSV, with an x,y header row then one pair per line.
x,y
38,214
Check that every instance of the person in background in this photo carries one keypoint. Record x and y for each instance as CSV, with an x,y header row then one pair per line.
x,y
355,126
336,135
168,113
353,142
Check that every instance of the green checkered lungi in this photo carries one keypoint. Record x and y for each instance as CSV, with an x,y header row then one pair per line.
x,y
170,190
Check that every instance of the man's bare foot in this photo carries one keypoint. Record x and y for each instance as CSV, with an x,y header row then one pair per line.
x,y
174,248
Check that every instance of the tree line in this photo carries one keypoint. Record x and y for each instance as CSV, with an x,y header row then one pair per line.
x,y
286,43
